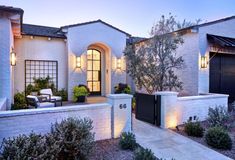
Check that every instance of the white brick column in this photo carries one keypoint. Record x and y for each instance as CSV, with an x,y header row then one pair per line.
x,y
5,67
120,114
168,101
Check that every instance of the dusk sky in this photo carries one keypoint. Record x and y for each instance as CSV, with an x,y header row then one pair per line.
x,y
133,16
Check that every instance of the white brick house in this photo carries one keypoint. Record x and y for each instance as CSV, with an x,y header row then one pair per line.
x,y
91,53
216,42
85,53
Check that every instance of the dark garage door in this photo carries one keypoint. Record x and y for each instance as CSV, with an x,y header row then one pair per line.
x,y
222,74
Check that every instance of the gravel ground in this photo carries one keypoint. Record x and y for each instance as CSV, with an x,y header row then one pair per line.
x,y
109,150
229,153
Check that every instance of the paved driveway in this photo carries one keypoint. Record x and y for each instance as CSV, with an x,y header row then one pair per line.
x,y
168,144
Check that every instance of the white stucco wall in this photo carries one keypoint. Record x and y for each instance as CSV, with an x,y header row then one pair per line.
x,y
6,43
97,34
226,29
177,110
40,48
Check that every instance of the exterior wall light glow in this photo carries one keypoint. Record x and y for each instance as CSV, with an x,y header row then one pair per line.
x,y
13,58
119,63
203,62
78,62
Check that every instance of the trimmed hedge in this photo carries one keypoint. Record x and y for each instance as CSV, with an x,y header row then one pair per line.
x,y
218,138
194,129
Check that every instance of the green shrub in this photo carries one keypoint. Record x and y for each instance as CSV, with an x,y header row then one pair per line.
x,y
74,137
62,93
127,141
19,101
219,138
144,154
122,88
79,91
193,129
218,117
40,83
31,146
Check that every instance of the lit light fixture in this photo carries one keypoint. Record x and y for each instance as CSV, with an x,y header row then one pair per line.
x,y
203,62
13,57
78,62
119,63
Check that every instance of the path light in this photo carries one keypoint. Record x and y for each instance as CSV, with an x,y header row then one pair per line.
x,y
119,63
13,57
203,62
78,62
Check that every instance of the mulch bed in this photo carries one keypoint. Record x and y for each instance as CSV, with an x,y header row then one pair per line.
x,y
229,153
110,150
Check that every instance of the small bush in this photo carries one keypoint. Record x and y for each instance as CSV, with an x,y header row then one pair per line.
x,y
31,146
122,88
62,93
74,137
19,101
219,138
127,141
218,117
143,154
194,129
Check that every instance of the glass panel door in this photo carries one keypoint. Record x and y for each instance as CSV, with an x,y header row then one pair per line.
x,y
94,71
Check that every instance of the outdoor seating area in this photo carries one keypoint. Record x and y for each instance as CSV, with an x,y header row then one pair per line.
x,y
44,100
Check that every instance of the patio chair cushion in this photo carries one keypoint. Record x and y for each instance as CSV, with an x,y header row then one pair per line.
x,y
57,98
46,91
46,105
33,101
33,97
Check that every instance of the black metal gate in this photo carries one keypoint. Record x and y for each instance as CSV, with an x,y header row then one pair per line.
x,y
148,108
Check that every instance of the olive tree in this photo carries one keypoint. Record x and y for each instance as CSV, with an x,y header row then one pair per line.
x,y
153,62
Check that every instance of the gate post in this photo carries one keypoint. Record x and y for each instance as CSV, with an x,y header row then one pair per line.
x,y
168,100
120,113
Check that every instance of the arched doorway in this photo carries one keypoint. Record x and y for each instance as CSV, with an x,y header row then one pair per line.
x,y
99,62
94,71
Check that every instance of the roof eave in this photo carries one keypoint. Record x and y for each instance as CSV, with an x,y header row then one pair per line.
x,y
96,21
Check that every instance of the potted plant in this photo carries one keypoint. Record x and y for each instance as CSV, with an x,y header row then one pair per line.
x,y
80,93
122,88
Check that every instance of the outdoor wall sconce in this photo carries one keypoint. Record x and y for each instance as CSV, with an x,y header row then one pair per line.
x,y
119,63
78,62
13,58
203,62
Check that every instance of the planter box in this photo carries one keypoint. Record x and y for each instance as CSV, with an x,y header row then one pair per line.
x,y
81,99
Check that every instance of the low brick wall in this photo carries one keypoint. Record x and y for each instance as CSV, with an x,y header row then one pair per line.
x,y
13,123
177,110
109,119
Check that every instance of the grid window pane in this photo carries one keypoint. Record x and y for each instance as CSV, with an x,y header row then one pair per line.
x,y
40,69
89,75
96,86
89,85
89,65
96,65
96,55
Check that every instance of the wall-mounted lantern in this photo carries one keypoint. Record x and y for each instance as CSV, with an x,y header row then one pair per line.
x,y
13,58
78,62
204,62
119,66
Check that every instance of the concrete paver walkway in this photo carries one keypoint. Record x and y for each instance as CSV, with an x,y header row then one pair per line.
x,y
167,144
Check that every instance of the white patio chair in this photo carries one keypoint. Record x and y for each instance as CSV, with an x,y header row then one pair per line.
x,y
51,98
33,101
